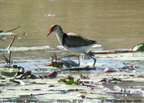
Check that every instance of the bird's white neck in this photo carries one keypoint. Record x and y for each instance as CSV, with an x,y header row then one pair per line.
x,y
59,35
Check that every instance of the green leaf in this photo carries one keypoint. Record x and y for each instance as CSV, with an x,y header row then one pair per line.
x,y
70,82
57,64
8,72
1,31
70,77
62,80
138,47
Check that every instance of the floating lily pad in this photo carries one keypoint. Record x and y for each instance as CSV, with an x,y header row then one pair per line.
x,y
138,47
61,96
96,96
8,72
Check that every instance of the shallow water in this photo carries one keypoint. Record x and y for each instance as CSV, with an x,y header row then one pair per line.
x,y
114,24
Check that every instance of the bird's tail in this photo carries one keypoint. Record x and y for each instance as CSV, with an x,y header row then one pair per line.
x,y
96,45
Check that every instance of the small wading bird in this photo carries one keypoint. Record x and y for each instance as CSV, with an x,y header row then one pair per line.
x,y
73,42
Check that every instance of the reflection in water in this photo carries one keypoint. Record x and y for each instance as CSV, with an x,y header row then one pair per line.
x,y
95,19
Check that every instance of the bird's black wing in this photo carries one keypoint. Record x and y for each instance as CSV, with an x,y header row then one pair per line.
x,y
73,40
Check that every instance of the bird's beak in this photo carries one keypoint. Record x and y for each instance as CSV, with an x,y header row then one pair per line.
x,y
48,33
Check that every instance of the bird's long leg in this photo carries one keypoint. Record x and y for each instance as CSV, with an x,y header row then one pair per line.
x,y
79,60
93,57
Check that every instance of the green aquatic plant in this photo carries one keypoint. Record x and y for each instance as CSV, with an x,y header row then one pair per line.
x,y
69,80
